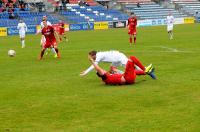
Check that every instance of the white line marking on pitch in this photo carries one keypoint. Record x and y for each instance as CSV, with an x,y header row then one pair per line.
x,y
168,48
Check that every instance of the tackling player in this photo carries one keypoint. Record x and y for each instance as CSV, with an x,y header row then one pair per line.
x,y
49,34
132,24
22,32
116,59
62,30
170,25
129,75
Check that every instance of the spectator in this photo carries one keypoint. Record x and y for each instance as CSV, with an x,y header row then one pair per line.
x,y
11,14
80,3
197,17
85,4
64,2
67,1
1,2
60,4
4,7
138,5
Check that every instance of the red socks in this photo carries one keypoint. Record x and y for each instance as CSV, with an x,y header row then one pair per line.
x,y
134,39
130,40
137,62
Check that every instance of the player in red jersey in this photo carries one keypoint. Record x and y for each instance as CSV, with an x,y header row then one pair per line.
x,y
62,30
49,33
132,24
128,77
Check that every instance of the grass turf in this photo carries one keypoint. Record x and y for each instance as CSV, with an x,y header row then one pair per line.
x,y
50,96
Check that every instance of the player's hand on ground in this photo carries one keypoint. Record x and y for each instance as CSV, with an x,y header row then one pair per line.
x,y
82,73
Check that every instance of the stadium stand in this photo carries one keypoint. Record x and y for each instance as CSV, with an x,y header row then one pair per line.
x,y
189,6
10,16
78,14
149,10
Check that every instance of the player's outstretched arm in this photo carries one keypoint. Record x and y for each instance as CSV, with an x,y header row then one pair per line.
x,y
96,66
83,73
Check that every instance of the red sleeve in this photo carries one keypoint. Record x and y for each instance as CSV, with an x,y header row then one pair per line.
x,y
128,21
52,29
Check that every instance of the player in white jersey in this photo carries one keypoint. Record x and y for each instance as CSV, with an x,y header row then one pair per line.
x,y
22,32
170,25
116,59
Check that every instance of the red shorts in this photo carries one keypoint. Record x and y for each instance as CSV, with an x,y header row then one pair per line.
x,y
132,31
50,44
61,31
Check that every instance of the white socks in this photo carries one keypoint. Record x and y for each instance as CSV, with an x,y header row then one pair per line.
x,y
23,43
53,50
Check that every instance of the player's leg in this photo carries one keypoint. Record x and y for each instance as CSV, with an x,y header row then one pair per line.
x,y
65,36
137,63
129,73
22,38
134,37
130,39
171,34
23,42
42,53
57,55
149,70
53,50
169,30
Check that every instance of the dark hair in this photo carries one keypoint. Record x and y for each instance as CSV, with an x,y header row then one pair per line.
x,y
103,77
92,53
132,13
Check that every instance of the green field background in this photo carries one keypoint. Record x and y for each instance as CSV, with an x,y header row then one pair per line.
x,y
50,96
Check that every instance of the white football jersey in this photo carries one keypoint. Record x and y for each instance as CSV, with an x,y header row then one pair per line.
x,y
22,27
115,57
170,20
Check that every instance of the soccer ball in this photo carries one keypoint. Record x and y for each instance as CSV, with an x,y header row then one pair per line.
x,y
11,53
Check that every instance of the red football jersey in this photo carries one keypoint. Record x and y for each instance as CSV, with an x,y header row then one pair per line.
x,y
132,22
113,79
48,32
62,25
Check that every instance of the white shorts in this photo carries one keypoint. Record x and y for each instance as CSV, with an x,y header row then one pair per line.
x,y
170,27
22,35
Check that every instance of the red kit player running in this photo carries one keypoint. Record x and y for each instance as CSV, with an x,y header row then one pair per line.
x,y
128,77
49,33
132,23
62,30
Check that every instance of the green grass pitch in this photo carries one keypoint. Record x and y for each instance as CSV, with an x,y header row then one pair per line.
x,y
50,96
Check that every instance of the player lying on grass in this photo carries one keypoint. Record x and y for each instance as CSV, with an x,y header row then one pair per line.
x,y
116,59
128,77
51,41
